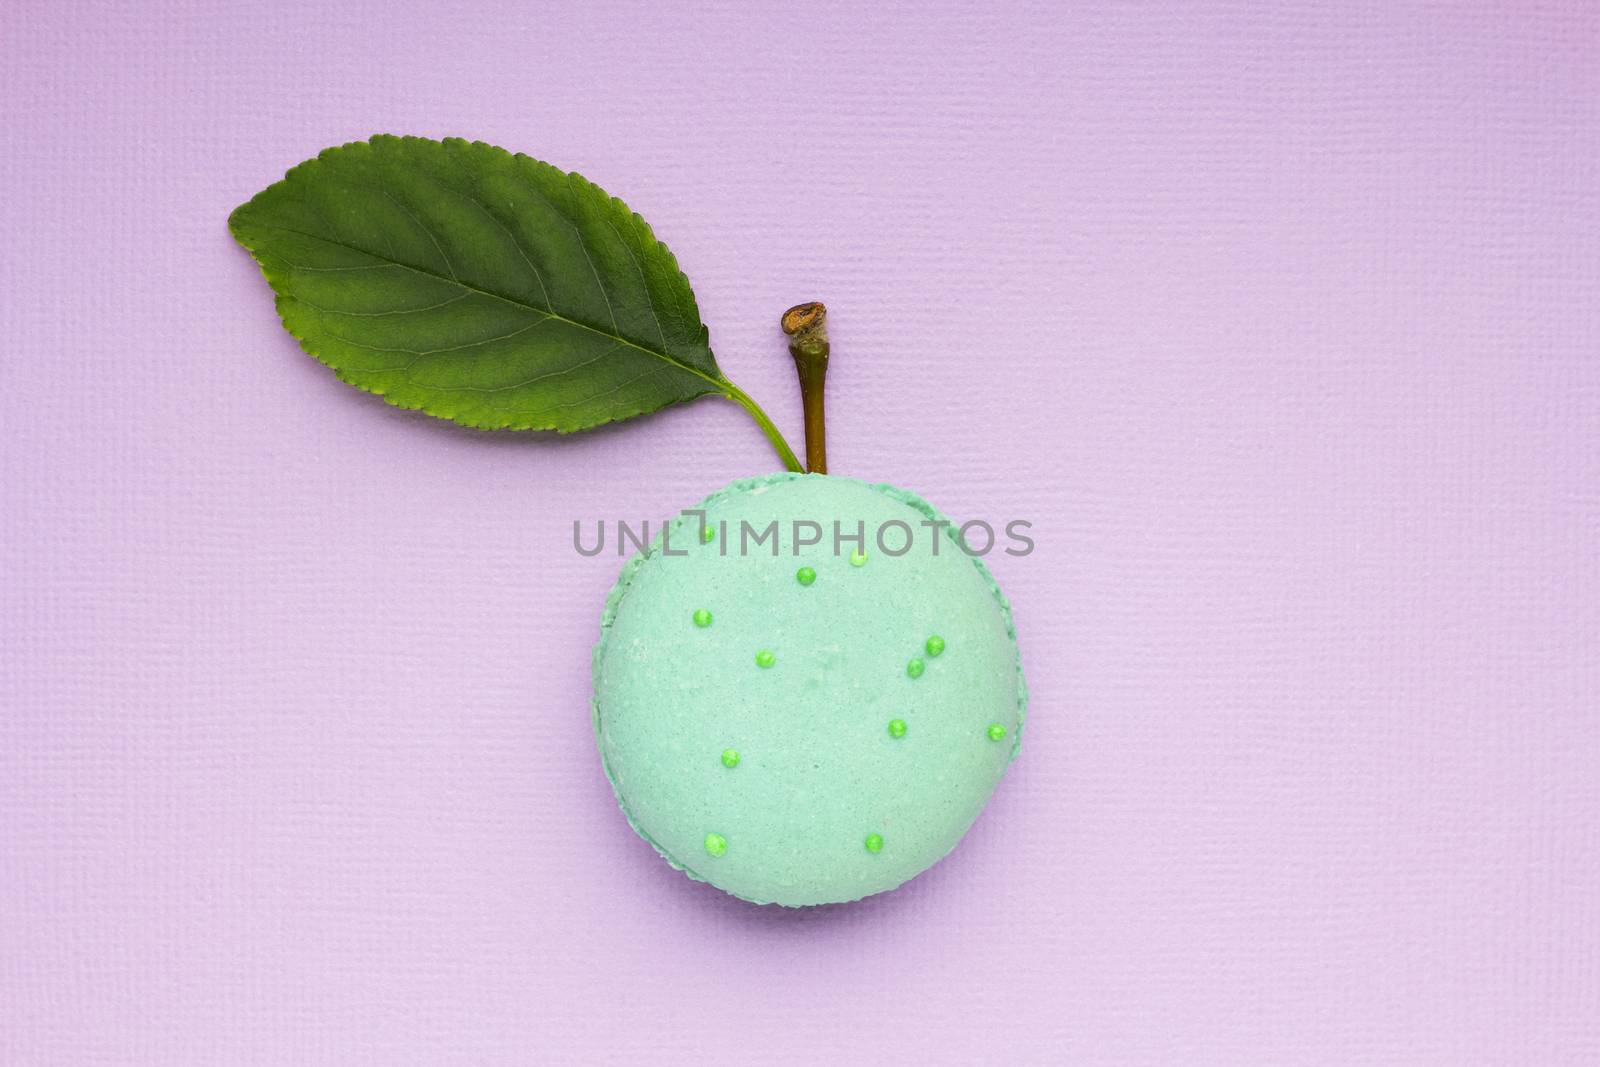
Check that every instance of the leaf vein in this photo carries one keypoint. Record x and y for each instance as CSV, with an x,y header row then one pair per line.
x,y
491,389
644,283
516,243
583,246
420,352
616,388
424,227
380,314
719,382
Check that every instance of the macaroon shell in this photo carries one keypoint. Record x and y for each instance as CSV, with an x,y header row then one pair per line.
x,y
818,771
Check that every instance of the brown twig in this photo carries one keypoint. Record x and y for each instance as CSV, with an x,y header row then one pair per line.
x,y
807,327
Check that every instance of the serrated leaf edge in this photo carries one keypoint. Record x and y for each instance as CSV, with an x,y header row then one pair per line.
x,y
718,385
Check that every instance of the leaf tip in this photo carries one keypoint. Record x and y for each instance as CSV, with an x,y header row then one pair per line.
x,y
236,219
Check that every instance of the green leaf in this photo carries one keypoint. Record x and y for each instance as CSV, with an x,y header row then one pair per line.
x,y
480,286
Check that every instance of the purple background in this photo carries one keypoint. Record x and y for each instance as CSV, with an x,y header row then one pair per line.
x,y
1279,323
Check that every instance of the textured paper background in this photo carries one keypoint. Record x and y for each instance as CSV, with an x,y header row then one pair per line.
x,y
1279,322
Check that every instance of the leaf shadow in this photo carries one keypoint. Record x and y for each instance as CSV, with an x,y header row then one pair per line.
x,y
356,404
472,436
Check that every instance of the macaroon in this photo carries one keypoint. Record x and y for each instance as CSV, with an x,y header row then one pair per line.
x,y
806,689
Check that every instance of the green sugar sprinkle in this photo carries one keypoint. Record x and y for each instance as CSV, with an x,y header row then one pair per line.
x,y
702,618
707,533
765,659
897,727
874,843
805,575
730,757
915,667
996,732
716,844
934,645
858,559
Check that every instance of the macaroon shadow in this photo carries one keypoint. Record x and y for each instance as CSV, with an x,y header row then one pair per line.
x,y
752,917
775,917
645,866
979,842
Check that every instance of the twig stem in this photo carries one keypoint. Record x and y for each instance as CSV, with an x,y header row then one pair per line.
x,y
807,327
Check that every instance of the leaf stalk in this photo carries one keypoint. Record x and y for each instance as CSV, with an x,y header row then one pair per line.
x,y
779,445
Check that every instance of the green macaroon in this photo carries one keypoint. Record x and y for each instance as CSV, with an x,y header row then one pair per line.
x,y
818,802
